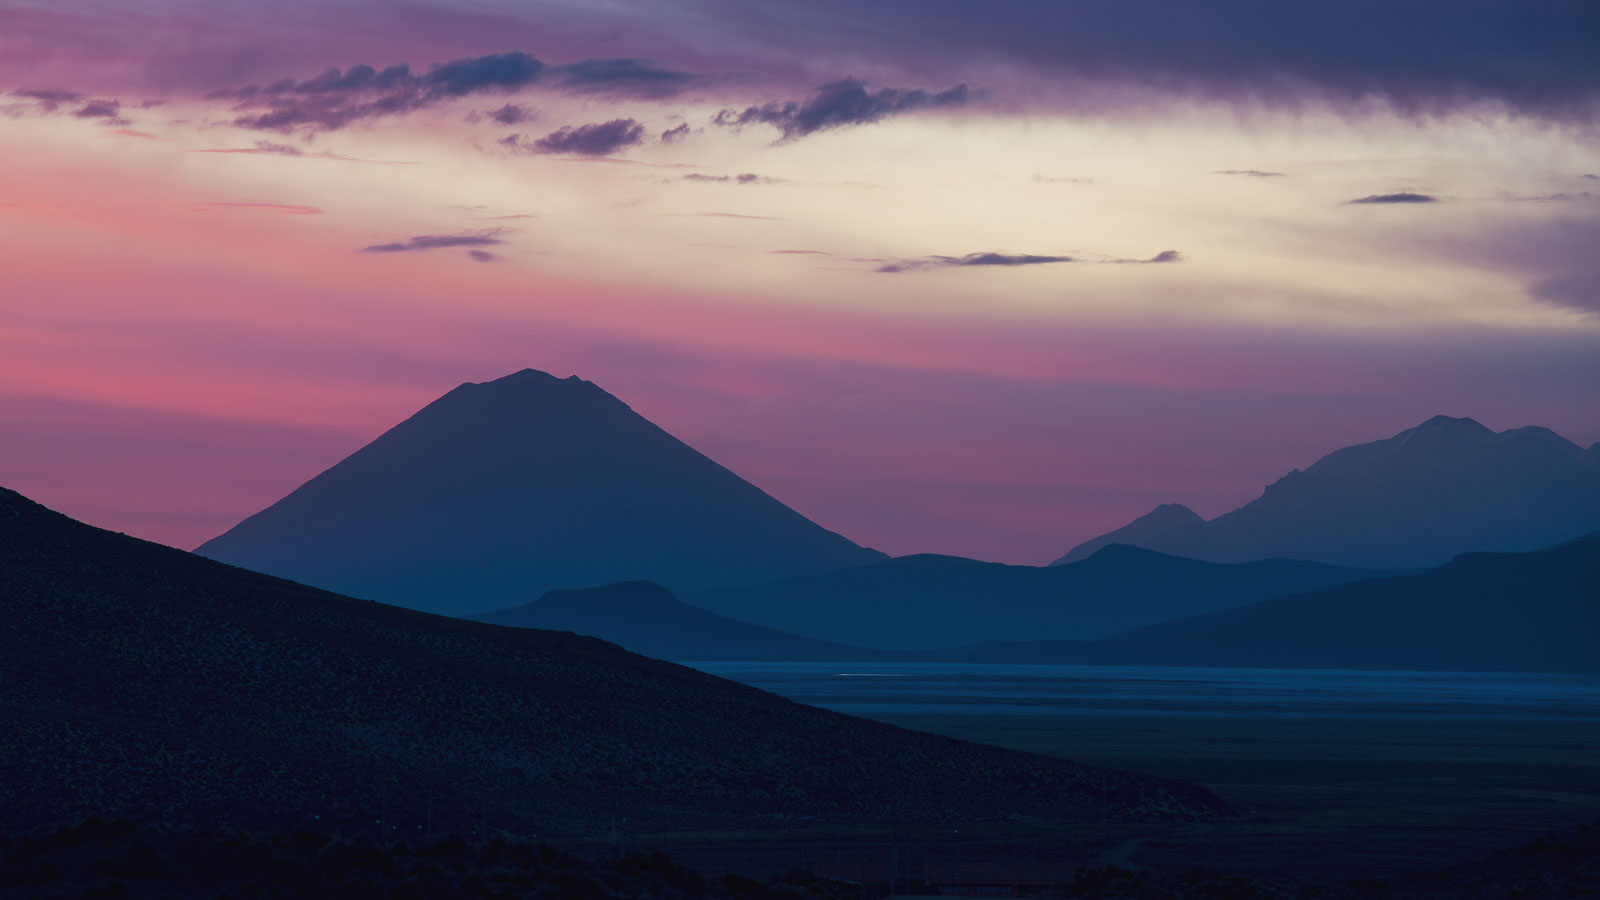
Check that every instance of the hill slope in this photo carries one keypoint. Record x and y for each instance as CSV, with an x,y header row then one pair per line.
x,y
921,602
1515,612
647,619
1414,500
143,681
498,492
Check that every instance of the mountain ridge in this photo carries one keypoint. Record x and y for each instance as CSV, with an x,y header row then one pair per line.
x,y
929,601
1414,500
1518,612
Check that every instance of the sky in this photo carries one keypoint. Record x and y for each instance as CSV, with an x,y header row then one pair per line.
x,y
955,277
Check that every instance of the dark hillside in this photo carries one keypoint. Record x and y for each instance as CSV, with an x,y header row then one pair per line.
x,y
143,681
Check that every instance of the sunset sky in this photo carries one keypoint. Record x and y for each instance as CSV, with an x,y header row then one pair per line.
x,y
971,278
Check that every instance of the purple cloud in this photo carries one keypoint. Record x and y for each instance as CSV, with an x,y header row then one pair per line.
x,y
1006,260
971,259
337,98
1402,197
594,139
48,99
511,114
839,105
741,178
486,238
101,109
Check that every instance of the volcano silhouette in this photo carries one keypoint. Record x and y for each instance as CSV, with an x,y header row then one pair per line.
x,y
498,492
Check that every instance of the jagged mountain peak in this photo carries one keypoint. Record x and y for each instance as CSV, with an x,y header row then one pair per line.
x,y
1449,485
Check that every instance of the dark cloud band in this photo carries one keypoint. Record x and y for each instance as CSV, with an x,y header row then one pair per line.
x,y
340,97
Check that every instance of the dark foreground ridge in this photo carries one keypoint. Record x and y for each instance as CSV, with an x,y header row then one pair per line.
x,y
498,492
97,858
146,682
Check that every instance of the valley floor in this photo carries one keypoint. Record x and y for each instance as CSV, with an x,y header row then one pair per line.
x,y
1325,799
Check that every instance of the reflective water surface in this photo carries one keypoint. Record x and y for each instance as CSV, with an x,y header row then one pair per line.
x,y
910,688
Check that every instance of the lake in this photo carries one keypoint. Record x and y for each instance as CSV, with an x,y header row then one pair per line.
x,y
897,689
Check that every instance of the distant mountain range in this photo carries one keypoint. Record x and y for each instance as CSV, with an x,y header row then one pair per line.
x,y
498,492
924,602
1536,612
646,618
1148,527
1415,500
140,680
1517,612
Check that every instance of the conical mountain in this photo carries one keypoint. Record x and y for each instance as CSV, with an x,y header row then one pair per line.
x,y
1415,500
498,492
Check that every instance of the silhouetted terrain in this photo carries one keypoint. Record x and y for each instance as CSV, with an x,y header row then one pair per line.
x,y
117,859
1164,518
140,680
122,860
647,619
922,602
1445,487
1517,612
498,492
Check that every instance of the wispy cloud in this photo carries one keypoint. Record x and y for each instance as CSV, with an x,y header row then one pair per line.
x,y
972,259
842,104
338,98
598,139
1252,173
110,110
291,209
47,99
1165,256
726,215
512,114
270,148
741,178
488,237
1005,260
1402,197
